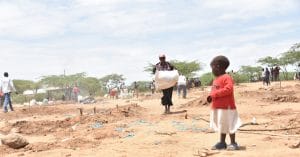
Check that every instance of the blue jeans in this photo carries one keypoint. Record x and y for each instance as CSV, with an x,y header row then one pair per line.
x,y
182,87
7,101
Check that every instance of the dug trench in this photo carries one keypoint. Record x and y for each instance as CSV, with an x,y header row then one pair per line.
x,y
77,132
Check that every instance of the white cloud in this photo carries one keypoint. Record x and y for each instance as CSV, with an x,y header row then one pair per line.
x,y
122,36
245,9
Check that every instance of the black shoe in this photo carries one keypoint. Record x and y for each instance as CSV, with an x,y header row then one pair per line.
x,y
219,146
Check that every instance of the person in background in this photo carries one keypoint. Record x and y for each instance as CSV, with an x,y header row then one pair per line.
x,y
76,92
189,83
136,89
1,98
152,87
197,82
122,86
224,116
68,93
163,65
181,85
276,73
267,77
272,74
263,76
7,87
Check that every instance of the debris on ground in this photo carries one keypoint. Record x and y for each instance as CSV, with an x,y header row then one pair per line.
x,y
282,98
165,133
295,146
88,100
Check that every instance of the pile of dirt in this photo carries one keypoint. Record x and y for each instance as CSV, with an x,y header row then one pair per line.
x,y
38,111
195,103
42,127
79,142
251,93
284,112
282,98
45,127
40,146
294,123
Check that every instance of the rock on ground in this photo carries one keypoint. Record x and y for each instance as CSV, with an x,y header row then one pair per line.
x,y
14,141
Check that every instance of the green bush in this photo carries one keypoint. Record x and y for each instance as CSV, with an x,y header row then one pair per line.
x,y
20,99
206,79
286,76
240,78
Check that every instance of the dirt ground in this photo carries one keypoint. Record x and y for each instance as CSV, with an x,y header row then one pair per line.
x,y
137,127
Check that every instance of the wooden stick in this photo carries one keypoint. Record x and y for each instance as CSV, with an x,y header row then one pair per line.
x,y
259,133
283,129
80,111
186,115
94,110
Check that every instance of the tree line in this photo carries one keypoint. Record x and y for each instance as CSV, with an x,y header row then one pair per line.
x,y
98,86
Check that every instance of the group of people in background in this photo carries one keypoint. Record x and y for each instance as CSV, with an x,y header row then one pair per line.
x,y
270,75
71,93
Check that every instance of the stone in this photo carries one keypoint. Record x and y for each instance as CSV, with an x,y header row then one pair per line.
x,y
14,141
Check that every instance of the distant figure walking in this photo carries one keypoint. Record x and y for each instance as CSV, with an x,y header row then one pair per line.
x,y
267,77
152,87
276,73
76,92
263,76
136,89
272,74
181,86
7,87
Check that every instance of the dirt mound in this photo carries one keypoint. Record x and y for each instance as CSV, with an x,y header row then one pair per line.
x,y
42,127
293,123
251,93
40,146
79,142
38,111
281,113
45,127
195,103
282,98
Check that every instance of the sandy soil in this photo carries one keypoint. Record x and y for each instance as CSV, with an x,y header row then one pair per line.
x,y
138,127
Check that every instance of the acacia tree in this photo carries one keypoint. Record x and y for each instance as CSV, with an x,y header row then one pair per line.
x,y
250,71
113,80
291,57
269,61
62,81
23,85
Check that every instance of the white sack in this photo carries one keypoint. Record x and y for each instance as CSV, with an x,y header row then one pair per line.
x,y
165,79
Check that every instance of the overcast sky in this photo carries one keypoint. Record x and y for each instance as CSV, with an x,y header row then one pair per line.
x,y
100,37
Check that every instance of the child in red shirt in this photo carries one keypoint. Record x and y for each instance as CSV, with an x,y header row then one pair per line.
x,y
224,116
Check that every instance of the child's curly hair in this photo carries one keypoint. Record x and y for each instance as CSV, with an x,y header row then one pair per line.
x,y
221,61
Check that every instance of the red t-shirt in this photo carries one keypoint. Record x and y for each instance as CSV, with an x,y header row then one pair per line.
x,y
76,90
222,93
